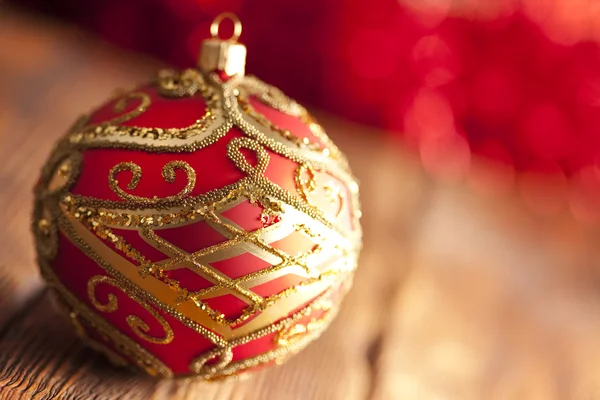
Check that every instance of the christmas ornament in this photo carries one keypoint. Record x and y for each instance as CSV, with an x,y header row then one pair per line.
x,y
203,224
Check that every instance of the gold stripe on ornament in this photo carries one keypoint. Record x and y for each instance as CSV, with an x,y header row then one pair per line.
x,y
147,361
158,293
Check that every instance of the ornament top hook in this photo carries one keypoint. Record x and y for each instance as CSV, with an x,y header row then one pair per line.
x,y
237,26
227,56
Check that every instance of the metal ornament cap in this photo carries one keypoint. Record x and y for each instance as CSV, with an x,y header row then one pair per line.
x,y
226,55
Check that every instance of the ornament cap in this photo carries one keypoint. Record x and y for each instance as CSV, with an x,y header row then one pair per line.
x,y
225,55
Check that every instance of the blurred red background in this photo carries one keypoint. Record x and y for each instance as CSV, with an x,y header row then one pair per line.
x,y
510,85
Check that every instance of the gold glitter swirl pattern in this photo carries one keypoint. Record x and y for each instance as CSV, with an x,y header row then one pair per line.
x,y
305,180
335,197
275,98
124,102
306,183
224,355
294,332
58,176
168,174
234,153
113,303
171,83
139,327
78,313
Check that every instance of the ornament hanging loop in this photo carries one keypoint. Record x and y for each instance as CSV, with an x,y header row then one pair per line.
x,y
223,55
216,24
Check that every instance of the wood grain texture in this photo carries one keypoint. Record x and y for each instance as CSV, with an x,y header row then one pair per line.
x,y
500,304
457,297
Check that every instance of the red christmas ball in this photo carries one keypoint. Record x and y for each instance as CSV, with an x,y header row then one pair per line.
x,y
202,224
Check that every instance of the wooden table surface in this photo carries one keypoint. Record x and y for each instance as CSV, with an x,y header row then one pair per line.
x,y
457,296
